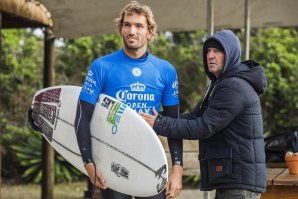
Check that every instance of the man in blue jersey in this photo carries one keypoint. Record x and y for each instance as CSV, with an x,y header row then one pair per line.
x,y
138,79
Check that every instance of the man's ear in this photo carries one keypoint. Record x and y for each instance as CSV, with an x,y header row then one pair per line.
x,y
149,35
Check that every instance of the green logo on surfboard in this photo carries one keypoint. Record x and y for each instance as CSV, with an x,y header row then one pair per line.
x,y
114,116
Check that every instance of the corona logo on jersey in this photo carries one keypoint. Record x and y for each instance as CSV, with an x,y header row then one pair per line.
x,y
138,87
135,98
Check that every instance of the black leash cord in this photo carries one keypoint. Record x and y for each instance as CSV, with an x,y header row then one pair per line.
x,y
94,181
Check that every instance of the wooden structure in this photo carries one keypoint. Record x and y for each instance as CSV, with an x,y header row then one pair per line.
x,y
24,14
281,184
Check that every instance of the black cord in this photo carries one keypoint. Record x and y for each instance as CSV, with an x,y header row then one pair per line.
x,y
31,121
94,181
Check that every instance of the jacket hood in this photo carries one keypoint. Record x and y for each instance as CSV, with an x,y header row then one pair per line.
x,y
232,49
250,71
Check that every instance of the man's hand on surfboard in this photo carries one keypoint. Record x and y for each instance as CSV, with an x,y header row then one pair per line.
x,y
150,119
99,182
174,185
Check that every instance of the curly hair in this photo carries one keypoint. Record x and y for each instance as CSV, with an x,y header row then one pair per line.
x,y
135,7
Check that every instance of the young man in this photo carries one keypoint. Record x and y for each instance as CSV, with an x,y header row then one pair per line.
x,y
227,122
118,75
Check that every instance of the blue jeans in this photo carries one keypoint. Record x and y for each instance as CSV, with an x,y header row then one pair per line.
x,y
111,194
236,194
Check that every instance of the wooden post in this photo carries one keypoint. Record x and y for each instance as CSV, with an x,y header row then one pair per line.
x,y
0,99
210,25
247,28
48,182
210,17
210,31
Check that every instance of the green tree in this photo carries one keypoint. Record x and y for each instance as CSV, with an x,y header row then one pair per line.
x,y
20,75
75,56
277,50
29,159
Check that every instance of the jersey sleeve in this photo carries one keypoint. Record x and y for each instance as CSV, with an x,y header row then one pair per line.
x,y
93,84
170,95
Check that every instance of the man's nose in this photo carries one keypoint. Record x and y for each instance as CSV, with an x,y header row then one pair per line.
x,y
132,30
210,55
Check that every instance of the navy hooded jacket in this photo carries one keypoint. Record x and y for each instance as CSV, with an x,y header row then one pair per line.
x,y
227,122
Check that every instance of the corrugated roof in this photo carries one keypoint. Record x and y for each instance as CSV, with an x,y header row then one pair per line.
x,y
76,18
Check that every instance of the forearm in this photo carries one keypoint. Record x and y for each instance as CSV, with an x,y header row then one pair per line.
x,y
175,145
176,151
193,114
82,127
181,128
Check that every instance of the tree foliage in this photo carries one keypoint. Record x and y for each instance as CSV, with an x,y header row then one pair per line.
x,y
75,56
21,66
277,50
29,160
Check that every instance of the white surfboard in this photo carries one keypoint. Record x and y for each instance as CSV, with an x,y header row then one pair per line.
x,y
125,148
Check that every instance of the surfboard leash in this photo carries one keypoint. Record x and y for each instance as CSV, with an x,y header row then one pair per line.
x,y
31,121
94,181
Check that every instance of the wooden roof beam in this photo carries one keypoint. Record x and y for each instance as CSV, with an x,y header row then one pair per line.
x,y
30,12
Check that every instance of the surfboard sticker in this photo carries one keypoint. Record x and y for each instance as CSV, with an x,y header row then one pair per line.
x,y
115,113
45,114
124,147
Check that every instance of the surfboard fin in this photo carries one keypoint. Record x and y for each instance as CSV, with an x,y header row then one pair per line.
x,y
31,121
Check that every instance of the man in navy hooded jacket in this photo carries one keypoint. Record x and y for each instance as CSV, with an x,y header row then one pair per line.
x,y
227,122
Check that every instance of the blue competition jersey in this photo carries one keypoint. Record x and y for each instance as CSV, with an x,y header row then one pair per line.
x,y
139,83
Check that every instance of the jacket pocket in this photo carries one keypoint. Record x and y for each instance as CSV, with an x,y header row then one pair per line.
x,y
219,165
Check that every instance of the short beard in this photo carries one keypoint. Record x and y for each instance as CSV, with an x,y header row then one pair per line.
x,y
129,47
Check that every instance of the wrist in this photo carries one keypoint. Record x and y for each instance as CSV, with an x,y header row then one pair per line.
x,y
88,161
177,163
158,118
180,165
156,123
177,168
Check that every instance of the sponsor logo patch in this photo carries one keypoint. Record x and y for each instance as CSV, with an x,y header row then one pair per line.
x,y
119,170
115,113
136,71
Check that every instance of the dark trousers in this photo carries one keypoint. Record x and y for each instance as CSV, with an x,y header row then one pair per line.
x,y
111,194
236,194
